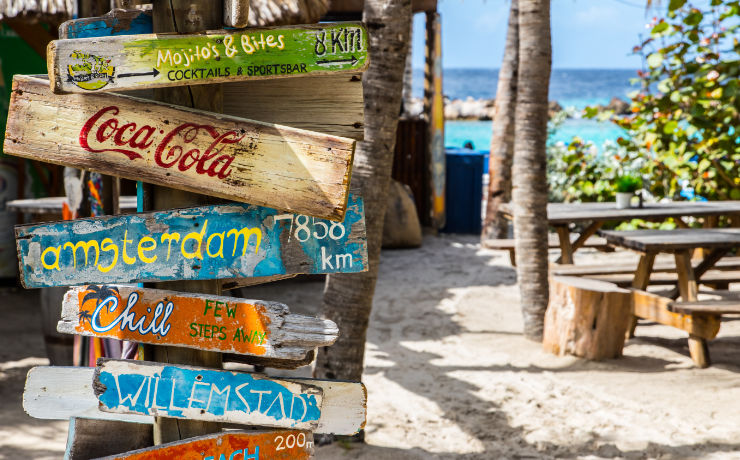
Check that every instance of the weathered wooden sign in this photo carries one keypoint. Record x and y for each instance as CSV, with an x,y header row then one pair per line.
x,y
58,393
218,155
210,242
156,60
205,322
166,390
115,22
84,438
233,445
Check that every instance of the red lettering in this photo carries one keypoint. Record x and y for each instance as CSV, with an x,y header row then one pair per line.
x,y
100,135
169,152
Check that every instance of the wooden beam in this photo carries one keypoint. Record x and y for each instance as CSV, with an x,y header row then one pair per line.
x,y
193,150
566,250
236,13
657,308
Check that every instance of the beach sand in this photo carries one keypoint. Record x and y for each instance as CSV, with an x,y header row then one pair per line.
x,y
450,376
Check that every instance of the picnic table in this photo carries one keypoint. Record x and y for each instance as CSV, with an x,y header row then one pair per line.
x,y
681,242
595,215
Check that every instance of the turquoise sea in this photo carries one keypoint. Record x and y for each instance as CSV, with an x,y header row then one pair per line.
x,y
576,88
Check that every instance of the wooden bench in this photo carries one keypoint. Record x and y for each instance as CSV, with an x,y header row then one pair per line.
x,y
553,242
726,263
708,313
719,279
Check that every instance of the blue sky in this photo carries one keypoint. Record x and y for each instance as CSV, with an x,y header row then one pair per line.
x,y
585,33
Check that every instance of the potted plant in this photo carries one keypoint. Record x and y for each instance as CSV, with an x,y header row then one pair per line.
x,y
627,185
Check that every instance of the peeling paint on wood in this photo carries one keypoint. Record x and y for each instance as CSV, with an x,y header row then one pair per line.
x,y
277,445
204,322
116,22
186,392
218,155
147,61
58,393
209,242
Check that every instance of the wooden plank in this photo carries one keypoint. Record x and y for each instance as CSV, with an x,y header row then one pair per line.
x,y
674,240
656,308
712,307
85,435
710,277
204,322
157,60
115,22
561,213
725,263
236,13
553,242
203,243
58,393
331,104
277,445
193,393
53,205
193,150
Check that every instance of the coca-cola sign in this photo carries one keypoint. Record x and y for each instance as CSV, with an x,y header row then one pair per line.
x,y
185,146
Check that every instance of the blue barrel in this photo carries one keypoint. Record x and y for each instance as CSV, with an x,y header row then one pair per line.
x,y
464,191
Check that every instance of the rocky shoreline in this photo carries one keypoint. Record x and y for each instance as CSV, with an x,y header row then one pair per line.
x,y
483,109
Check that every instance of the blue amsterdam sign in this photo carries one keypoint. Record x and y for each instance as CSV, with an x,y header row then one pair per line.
x,y
210,242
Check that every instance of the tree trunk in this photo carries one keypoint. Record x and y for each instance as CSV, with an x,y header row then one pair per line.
x,y
502,142
529,177
348,298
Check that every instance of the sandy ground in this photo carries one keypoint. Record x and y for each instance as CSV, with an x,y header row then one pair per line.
x,y
449,375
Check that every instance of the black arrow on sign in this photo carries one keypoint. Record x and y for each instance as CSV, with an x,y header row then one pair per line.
x,y
153,73
352,61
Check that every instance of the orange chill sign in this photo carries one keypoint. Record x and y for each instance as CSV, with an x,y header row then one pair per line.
x,y
252,445
215,323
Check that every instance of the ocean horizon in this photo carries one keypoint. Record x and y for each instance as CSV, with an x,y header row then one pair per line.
x,y
571,88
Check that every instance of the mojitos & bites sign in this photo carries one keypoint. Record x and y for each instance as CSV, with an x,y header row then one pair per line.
x,y
210,242
154,60
200,321
218,155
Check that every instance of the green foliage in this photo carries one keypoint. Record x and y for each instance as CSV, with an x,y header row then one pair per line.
x,y
685,121
628,183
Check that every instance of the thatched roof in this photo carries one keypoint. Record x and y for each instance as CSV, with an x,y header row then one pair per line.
x,y
261,12
36,8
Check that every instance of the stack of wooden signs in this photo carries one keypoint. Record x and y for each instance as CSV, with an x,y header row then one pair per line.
x,y
290,212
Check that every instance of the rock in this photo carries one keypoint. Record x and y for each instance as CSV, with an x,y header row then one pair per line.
x,y
553,107
619,106
401,228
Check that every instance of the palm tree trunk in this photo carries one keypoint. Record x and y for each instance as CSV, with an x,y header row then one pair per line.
x,y
529,177
348,298
502,142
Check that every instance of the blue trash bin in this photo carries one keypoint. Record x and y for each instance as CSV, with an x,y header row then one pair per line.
x,y
464,191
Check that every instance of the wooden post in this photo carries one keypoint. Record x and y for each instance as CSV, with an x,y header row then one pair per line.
x,y
186,16
434,110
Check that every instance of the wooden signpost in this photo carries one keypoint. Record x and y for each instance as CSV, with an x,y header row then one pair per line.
x,y
280,170
233,445
210,242
58,393
238,159
205,322
157,60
